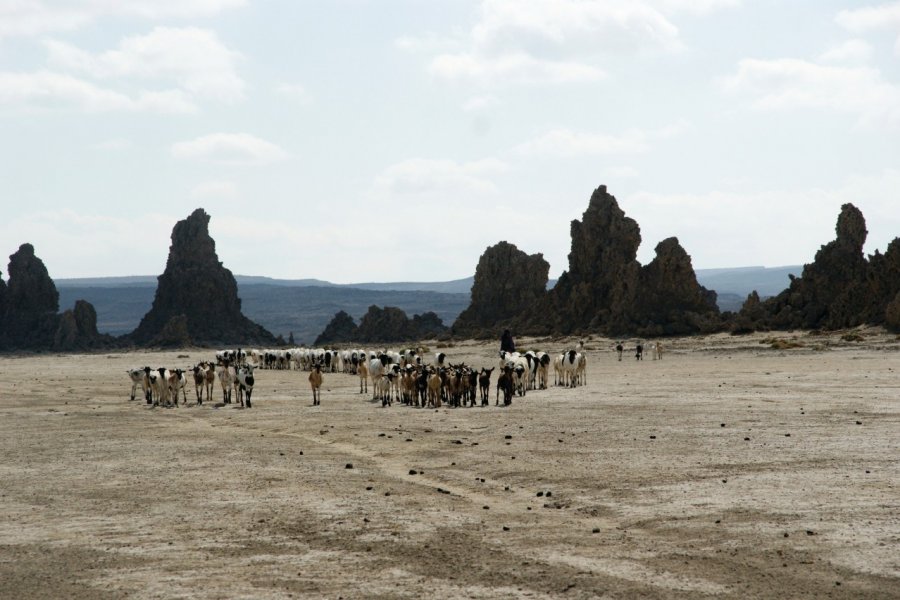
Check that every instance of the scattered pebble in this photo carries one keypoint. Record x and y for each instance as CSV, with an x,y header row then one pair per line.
x,y
746,439
508,437
413,472
368,488
718,521
859,422
595,530
505,528
348,466
540,494
652,437
486,507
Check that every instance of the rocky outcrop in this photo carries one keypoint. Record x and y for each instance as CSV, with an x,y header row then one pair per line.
x,y
892,314
606,290
77,329
198,287
751,316
28,311
341,329
31,302
427,326
507,283
671,302
381,326
884,287
175,334
839,289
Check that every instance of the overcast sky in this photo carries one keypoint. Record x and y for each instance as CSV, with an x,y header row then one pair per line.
x,y
394,140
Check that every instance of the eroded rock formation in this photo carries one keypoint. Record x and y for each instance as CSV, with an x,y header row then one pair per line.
x,y
31,302
381,326
507,283
341,328
606,290
77,329
670,301
839,289
196,285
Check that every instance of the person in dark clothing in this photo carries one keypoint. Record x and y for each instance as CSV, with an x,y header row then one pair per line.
x,y
619,349
507,344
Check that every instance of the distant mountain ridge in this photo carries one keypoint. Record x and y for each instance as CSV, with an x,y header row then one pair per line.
x,y
305,306
456,286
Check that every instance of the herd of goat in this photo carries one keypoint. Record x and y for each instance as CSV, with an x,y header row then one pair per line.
x,y
402,376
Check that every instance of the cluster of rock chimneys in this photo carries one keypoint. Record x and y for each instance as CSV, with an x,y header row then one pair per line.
x,y
381,325
29,306
839,289
196,302
604,290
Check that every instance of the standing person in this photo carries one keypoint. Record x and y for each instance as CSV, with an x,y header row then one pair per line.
x,y
619,349
507,344
639,352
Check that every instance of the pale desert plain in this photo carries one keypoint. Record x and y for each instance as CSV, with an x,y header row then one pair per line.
x,y
728,469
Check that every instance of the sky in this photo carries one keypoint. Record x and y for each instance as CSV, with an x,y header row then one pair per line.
x,y
395,140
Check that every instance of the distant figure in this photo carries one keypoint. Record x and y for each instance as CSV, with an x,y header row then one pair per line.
x,y
657,351
507,344
619,349
639,352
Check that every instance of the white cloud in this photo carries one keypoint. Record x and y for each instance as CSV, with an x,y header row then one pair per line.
x,y
37,17
555,41
229,149
45,90
872,18
426,176
195,58
698,7
219,190
295,92
587,24
858,20
793,84
565,143
849,51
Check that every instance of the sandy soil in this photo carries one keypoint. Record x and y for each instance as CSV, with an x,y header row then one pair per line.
x,y
728,469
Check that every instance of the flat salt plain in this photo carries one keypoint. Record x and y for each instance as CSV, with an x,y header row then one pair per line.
x,y
727,469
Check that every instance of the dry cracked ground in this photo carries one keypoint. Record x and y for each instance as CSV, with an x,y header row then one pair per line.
x,y
728,469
